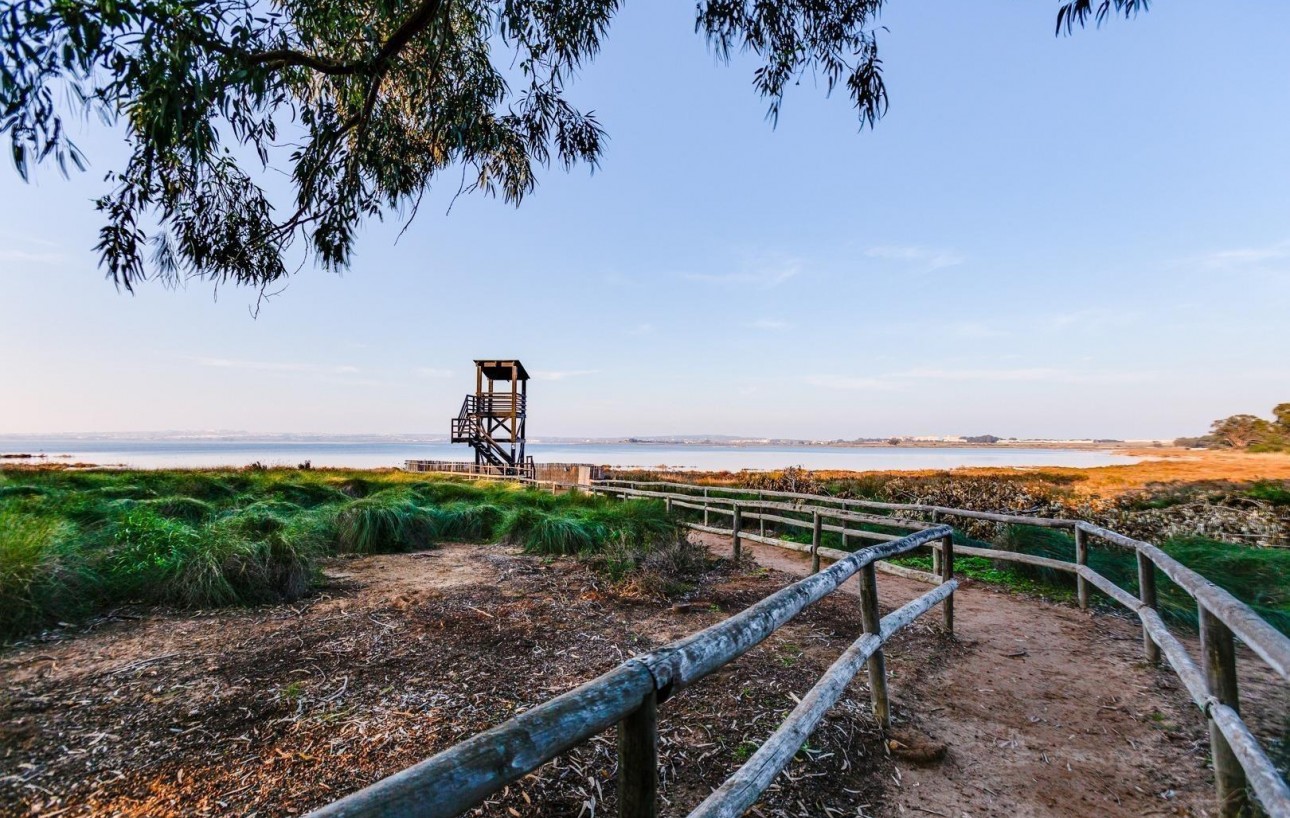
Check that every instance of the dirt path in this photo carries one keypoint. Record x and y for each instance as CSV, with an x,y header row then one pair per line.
x,y
1046,710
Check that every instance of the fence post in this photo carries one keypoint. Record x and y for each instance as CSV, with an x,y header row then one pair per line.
x,y
816,530
936,552
738,523
667,504
1081,558
638,761
1147,593
877,666
1217,645
947,574
705,507
761,515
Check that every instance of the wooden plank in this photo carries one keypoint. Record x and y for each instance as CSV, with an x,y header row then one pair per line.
x,y
947,576
710,529
1262,775
877,665
734,534
815,543
837,529
1219,649
1269,643
685,662
1147,594
739,792
936,552
778,543
906,572
1081,558
638,761
1177,656
465,774
882,565
1107,587
1043,522
1013,556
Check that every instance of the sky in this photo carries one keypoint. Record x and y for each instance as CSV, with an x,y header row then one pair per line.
x,y
1045,237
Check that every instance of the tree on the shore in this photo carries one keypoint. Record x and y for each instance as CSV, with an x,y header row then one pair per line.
x,y
1281,415
1248,432
374,100
1239,431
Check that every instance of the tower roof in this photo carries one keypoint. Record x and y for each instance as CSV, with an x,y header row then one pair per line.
x,y
500,370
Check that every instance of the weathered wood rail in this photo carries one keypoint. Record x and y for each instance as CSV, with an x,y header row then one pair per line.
x,y
464,775
1241,766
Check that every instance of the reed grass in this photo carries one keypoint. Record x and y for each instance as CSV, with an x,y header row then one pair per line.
x,y
74,543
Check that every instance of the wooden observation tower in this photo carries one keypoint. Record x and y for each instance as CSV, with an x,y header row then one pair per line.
x,y
492,419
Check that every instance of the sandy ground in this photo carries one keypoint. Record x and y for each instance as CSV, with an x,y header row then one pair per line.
x,y
1159,466
1044,710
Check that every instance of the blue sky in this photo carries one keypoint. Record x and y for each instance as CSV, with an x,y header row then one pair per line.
x,y
1083,236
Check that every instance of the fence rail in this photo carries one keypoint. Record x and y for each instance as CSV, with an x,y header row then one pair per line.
x,y
462,776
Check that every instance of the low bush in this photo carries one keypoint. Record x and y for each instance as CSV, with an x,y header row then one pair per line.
x,y
542,532
380,525
42,579
1275,493
1259,577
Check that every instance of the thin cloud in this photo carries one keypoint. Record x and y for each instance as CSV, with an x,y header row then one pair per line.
x,y
23,256
1247,256
641,329
277,366
902,380
431,372
1092,318
764,277
975,329
1033,374
561,374
849,383
927,259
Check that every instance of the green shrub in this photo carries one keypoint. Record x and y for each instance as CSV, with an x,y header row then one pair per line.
x,y
638,522
41,578
542,532
382,524
1259,577
8,492
469,523
1273,493
75,542
184,509
307,495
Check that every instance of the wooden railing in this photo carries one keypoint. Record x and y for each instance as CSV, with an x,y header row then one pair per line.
x,y
471,469
1239,760
498,404
464,775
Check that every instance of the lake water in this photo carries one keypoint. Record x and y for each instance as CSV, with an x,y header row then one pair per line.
x,y
202,452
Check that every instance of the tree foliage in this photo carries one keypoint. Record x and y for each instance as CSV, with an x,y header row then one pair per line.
x,y
1253,433
360,104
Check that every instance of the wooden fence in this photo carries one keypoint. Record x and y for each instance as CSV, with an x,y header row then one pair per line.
x,y
462,776
1240,763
